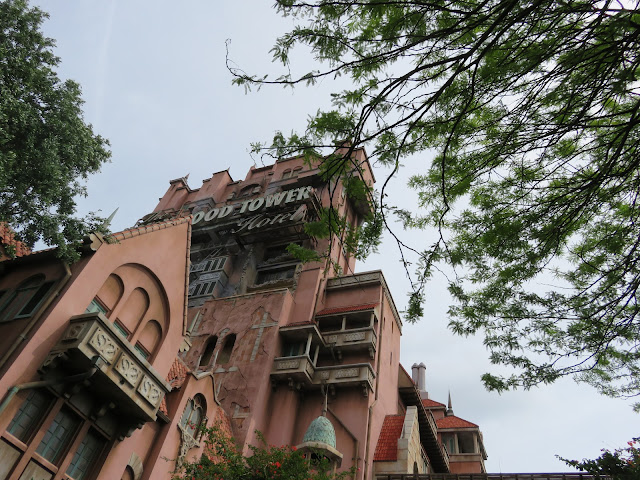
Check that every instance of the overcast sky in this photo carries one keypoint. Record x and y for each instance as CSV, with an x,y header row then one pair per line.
x,y
154,80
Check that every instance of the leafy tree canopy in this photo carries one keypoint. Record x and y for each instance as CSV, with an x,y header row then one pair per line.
x,y
619,464
529,113
46,148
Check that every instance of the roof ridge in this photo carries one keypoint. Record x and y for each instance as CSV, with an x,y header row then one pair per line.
x,y
143,229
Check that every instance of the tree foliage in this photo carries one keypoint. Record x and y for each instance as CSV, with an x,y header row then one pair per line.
x,y
46,148
528,112
620,464
223,460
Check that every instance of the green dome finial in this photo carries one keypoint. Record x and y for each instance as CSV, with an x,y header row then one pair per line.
x,y
321,430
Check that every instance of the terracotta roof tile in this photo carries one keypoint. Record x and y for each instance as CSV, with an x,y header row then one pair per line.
x,y
163,407
454,422
353,308
7,237
428,403
387,448
176,377
177,373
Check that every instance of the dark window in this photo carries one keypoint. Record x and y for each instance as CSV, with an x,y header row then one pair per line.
x,y
292,349
208,352
26,299
86,455
30,414
59,435
225,353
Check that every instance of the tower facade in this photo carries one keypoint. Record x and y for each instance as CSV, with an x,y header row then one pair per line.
x,y
201,314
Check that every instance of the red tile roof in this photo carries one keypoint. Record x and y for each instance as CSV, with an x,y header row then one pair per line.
x,y
299,324
176,377
353,308
387,448
454,422
7,237
428,403
177,373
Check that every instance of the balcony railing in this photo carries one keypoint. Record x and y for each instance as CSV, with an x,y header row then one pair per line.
x,y
300,369
352,340
124,378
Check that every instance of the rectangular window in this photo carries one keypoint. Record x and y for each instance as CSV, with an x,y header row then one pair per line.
x,y
31,412
96,307
141,350
35,301
86,455
59,435
121,330
292,349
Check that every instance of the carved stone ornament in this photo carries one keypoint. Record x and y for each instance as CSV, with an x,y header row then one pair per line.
x,y
187,442
102,343
129,369
354,337
150,391
347,373
73,332
331,339
288,364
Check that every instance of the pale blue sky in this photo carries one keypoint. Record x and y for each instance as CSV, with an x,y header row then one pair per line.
x,y
155,84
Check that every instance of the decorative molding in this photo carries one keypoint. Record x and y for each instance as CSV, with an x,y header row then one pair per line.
x,y
104,344
288,364
129,369
150,391
347,373
354,337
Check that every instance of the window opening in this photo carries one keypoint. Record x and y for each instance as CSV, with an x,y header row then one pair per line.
x,y
96,307
26,299
287,174
205,359
225,354
86,455
121,330
28,417
59,435
292,349
142,351
193,415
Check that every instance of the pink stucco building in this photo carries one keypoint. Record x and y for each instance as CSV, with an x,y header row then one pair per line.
x,y
200,314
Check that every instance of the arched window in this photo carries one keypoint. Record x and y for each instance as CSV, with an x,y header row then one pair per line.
x,y
225,354
26,299
194,414
296,171
207,355
287,173
134,309
149,338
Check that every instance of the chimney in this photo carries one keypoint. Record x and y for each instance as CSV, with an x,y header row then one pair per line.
x,y
418,376
415,374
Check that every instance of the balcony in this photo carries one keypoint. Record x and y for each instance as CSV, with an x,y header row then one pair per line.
x,y
351,375
299,372
124,377
352,340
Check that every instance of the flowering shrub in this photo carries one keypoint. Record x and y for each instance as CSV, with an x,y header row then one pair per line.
x,y
224,461
620,464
